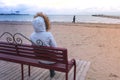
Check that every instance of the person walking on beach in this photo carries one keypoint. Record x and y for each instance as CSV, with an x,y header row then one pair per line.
x,y
73,19
41,25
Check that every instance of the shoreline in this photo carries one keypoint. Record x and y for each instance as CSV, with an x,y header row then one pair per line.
x,y
77,23
89,25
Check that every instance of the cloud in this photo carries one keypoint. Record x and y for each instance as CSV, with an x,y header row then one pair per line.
x,y
59,6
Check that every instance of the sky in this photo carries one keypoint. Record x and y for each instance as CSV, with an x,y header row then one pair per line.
x,y
60,6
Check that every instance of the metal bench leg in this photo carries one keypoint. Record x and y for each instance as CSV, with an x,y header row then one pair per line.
x,y
75,72
22,71
66,76
29,70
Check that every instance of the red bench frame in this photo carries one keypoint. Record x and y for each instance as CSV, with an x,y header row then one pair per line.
x,y
31,54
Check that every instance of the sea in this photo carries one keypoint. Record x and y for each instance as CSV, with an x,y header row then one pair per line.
x,y
61,18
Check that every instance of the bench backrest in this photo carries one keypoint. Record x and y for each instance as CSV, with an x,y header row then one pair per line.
x,y
58,55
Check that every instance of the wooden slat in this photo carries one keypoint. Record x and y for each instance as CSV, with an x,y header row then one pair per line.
x,y
84,71
11,71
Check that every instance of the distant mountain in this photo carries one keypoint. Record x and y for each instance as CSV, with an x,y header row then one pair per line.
x,y
12,14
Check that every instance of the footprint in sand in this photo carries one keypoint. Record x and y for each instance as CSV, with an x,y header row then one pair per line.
x,y
113,75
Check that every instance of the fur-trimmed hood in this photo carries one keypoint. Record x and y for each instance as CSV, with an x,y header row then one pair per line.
x,y
39,24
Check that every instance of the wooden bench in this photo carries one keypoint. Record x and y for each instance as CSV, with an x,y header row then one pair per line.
x,y
31,55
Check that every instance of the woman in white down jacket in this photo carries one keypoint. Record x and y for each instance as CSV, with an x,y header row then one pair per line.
x,y
41,27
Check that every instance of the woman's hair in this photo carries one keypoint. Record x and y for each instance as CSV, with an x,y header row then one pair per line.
x,y
47,22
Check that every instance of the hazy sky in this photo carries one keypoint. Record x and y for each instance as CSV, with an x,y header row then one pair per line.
x,y
60,6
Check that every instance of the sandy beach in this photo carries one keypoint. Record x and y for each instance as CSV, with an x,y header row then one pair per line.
x,y
95,42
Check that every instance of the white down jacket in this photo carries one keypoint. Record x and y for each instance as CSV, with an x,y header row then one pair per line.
x,y
40,34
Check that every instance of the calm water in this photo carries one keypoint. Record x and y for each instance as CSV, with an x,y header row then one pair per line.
x,y
61,18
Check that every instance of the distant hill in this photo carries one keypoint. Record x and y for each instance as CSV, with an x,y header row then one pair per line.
x,y
12,14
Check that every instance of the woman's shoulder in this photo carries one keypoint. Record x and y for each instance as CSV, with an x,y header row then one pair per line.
x,y
49,33
32,34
